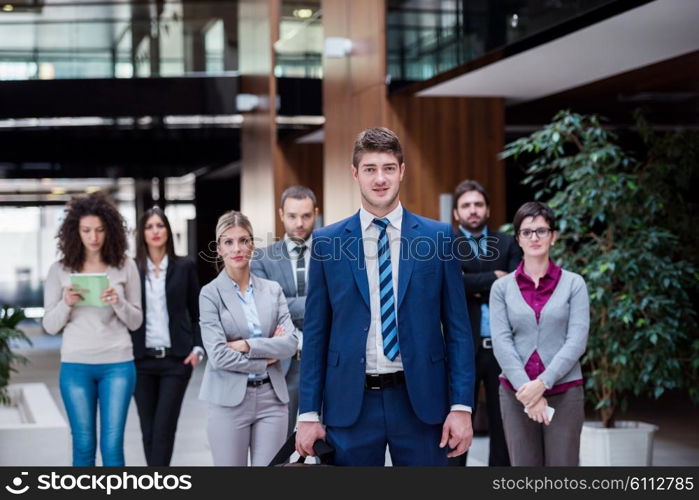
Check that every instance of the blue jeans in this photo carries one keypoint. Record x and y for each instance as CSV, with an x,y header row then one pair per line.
x,y
82,387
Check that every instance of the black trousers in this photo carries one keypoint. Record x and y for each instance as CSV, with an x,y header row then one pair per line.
x,y
160,387
488,371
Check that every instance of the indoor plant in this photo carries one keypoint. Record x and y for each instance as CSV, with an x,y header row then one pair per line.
x,y
620,219
29,417
9,319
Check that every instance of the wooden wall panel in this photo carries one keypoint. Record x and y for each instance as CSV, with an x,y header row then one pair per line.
x,y
336,109
258,30
300,164
445,140
366,29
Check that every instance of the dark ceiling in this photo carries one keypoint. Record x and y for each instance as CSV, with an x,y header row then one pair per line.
x,y
148,145
667,91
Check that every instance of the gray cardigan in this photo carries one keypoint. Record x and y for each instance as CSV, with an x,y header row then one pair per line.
x,y
560,336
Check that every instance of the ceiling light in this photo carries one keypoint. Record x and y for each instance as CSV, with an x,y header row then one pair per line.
x,y
302,13
8,7
46,71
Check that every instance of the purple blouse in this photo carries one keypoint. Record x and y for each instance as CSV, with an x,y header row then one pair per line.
x,y
537,297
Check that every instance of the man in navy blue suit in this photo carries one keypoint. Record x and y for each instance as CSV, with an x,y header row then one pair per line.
x,y
387,355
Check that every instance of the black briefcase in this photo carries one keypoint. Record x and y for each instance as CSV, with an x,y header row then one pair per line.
x,y
324,453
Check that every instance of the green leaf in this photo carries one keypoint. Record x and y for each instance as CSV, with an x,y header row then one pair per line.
x,y
628,226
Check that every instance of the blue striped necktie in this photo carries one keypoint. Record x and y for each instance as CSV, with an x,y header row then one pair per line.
x,y
389,328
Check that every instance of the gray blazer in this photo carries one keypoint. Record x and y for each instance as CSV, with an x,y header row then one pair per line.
x,y
222,320
560,336
273,263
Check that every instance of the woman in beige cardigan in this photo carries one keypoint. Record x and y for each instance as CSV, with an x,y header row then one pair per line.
x,y
97,365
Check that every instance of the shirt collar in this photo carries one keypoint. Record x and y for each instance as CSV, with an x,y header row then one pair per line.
x,y
291,245
552,273
237,288
151,266
468,234
395,217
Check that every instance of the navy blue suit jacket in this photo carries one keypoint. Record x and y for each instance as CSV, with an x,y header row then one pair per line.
x,y
433,326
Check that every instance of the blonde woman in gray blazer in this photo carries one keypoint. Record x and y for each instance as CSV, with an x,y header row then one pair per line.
x,y
246,329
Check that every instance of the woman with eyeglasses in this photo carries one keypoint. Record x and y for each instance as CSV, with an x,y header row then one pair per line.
x,y
539,320
246,329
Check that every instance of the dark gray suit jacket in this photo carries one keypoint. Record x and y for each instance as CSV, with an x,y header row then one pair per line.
x,y
273,263
478,272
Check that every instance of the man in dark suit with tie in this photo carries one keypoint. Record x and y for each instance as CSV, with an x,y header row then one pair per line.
x,y
485,255
387,352
286,262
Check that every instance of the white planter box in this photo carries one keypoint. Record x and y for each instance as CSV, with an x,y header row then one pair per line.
x,y
628,444
33,430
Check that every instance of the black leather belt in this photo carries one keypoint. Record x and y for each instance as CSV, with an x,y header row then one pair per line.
x,y
158,352
383,380
486,342
258,382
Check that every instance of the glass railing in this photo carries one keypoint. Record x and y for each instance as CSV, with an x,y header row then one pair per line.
x,y
42,39
299,50
425,39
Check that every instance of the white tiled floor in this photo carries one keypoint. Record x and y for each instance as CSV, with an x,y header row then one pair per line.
x,y
676,443
191,445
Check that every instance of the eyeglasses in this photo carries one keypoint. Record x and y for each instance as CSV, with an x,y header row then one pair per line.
x,y
541,232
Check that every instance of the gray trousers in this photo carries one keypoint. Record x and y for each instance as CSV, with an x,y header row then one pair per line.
x,y
533,444
257,424
292,384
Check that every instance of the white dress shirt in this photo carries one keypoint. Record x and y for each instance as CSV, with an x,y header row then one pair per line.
x,y
376,360
247,301
294,256
157,317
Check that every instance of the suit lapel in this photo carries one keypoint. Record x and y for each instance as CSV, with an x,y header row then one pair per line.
x,y
168,284
143,296
263,304
405,268
285,267
354,245
231,302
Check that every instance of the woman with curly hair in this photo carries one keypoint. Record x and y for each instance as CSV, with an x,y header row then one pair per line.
x,y
97,366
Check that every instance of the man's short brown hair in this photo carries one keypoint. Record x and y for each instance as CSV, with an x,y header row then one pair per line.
x,y
298,193
470,185
376,140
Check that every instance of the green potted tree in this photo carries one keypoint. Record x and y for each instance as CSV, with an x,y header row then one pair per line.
x,y
619,228
29,417
9,320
